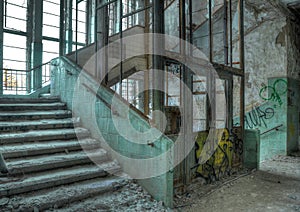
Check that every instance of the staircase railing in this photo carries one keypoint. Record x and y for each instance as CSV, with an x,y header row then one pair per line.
x,y
23,82
274,128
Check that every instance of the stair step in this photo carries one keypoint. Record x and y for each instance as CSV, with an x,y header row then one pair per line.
x,y
49,162
45,95
49,158
32,106
63,195
34,115
48,99
43,135
49,179
39,148
10,126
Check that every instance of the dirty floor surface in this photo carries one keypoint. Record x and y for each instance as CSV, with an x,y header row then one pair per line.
x,y
275,187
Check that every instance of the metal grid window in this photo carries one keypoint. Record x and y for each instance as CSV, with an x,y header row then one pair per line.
x,y
81,23
15,14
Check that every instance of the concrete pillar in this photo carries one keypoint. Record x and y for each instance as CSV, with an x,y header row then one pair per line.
x,y
186,101
91,21
37,43
29,42
1,44
148,59
62,40
158,62
68,26
101,39
242,64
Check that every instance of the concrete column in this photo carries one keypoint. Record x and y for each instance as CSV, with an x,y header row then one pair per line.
x,y
101,36
158,62
242,64
1,44
91,21
186,101
29,42
37,43
148,59
62,40
68,26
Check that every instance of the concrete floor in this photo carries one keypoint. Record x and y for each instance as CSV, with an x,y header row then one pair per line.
x,y
274,187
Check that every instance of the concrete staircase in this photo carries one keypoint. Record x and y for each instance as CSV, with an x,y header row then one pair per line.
x,y
47,166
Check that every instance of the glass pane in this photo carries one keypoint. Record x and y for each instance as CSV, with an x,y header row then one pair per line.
x,y
236,100
51,19
12,64
14,40
16,24
200,104
51,7
14,45
81,23
16,15
220,104
173,85
16,11
11,52
50,49
172,24
50,31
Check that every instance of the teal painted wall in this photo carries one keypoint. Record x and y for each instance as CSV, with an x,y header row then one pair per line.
x,y
68,82
251,149
281,107
293,115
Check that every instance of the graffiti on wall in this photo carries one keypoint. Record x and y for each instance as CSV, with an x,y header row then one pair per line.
x,y
258,117
227,155
274,92
236,139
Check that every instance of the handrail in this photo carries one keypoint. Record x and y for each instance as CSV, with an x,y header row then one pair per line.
x,y
19,82
274,128
107,104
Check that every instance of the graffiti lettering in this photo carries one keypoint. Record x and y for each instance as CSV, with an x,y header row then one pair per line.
x,y
238,144
227,155
274,93
257,117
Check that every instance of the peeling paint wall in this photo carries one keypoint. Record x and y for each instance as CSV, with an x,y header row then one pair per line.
x,y
265,49
272,53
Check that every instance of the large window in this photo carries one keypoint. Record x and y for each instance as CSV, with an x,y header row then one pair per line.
x,y
14,45
14,79
20,16
15,14
51,22
51,14
81,23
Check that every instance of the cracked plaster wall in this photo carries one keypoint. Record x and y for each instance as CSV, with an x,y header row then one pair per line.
x,y
265,49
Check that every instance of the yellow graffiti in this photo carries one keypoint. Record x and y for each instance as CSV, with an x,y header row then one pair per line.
x,y
220,161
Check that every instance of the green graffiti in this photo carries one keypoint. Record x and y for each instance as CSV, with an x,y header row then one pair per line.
x,y
274,93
